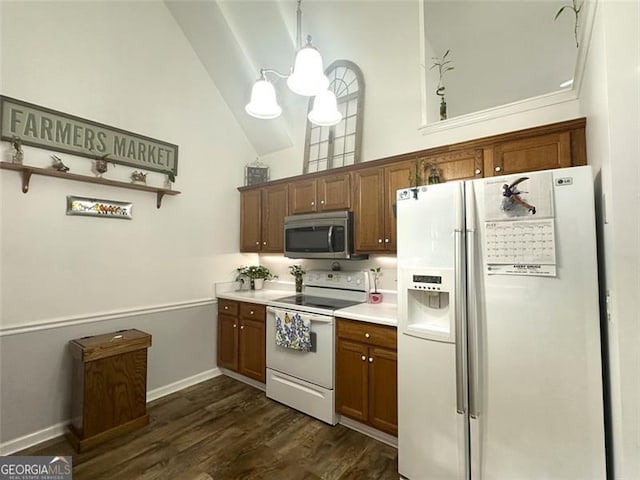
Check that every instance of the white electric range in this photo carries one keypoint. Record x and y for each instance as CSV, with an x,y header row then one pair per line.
x,y
305,380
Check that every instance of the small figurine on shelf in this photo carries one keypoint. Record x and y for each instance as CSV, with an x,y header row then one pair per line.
x,y
18,154
297,271
100,165
434,175
169,179
139,176
375,296
58,164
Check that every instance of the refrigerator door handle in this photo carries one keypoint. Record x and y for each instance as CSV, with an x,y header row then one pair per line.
x,y
472,313
459,324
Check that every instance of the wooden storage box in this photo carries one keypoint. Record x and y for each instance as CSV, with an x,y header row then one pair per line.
x,y
109,396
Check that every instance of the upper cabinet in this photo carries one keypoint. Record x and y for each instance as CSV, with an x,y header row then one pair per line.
x,y
320,194
369,189
458,165
262,213
373,205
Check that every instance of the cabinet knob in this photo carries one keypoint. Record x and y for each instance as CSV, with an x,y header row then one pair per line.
x,y
251,312
322,202
241,327
364,359
234,325
257,243
386,240
366,335
370,360
313,203
226,307
379,240
498,169
478,171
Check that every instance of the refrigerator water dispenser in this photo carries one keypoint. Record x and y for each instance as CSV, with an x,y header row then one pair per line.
x,y
429,298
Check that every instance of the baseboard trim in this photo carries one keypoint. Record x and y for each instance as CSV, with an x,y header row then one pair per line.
x,y
59,429
369,431
182,384
100,317
243,379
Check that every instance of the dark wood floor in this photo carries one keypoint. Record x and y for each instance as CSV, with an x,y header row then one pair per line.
x,y
223,429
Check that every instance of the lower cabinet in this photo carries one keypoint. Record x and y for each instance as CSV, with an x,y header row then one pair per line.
x,y
366,374
241,338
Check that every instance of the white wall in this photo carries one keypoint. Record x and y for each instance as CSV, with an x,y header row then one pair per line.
x,y
125,64
611,101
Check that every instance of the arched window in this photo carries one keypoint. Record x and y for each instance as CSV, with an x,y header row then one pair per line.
x,y
339,145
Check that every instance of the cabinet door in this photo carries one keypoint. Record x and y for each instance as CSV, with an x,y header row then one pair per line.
x,y
302,197
334,192
396,176
461,165
252,354
250,220
228,342
383,390
274,209
368,210
530,154
352,380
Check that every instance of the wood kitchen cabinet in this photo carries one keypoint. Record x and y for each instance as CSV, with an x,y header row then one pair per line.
x,y
320,194
241,338
541,152
457,165
373,205
366,374
262,213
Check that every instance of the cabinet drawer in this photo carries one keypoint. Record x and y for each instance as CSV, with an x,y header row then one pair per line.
x,y
372,334
253,311
228,307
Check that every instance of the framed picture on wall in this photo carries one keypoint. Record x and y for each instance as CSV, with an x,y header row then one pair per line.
x,y
255,173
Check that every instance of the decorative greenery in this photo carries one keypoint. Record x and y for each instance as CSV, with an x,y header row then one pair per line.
x,y
255,271
16,143
575,8
170,175
375,273
443,65
297,270
415,176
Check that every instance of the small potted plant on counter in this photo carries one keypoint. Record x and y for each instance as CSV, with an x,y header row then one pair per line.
x,y
257,274
297,271
375,296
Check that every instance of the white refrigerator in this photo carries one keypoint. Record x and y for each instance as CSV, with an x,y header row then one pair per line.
x,y
499,363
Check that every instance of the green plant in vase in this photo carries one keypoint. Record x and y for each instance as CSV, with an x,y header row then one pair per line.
x,y
375,296
297,271
253,273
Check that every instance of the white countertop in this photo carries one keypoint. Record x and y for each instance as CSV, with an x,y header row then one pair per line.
x,y
380,313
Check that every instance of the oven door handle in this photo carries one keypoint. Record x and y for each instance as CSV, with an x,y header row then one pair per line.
x,y
313,318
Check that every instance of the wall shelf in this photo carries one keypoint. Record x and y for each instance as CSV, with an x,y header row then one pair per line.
x,y
27,171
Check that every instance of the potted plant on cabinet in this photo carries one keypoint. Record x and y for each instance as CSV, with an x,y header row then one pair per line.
x,y
297,271
257,274
375,296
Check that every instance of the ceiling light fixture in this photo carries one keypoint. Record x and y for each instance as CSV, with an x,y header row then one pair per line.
x,y
306,78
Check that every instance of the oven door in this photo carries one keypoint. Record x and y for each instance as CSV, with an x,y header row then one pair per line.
x,y
316,366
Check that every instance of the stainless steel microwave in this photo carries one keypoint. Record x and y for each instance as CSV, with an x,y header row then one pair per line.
x,y
319,235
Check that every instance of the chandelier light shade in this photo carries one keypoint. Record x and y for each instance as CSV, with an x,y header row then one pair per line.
x,y
308,76
263,102
325,110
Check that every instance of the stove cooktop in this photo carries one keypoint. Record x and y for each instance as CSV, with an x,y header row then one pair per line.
x,y
314,301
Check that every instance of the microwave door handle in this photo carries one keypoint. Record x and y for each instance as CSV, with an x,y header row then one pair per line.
x,y
329,237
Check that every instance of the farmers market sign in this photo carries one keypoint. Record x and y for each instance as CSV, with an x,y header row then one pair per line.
x,y
45,128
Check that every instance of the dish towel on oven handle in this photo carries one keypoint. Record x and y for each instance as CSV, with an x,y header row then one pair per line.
x,y
293,330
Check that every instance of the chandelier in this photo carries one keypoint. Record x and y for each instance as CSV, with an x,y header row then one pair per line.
x,y
306,78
